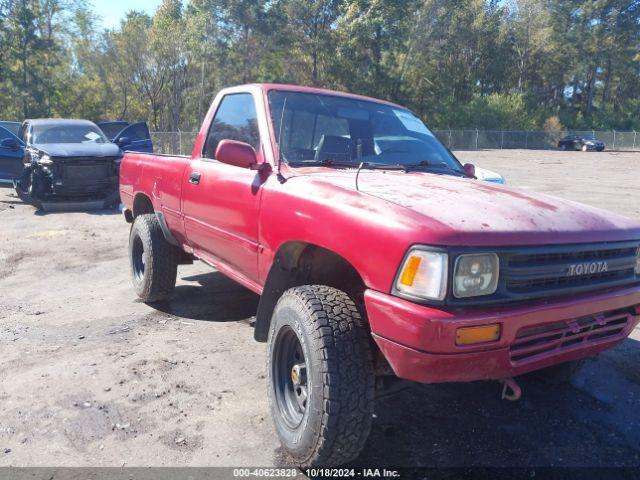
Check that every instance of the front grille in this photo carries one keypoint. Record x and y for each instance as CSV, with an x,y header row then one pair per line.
x,y
82,177
580,253
88,173
580,268
555,337
538,272
98,187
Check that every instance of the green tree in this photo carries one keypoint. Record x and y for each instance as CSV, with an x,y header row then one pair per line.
x,y
310,38
456,63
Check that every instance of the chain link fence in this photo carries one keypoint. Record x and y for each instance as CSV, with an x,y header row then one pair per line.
x,y
531,139
173,143
181,143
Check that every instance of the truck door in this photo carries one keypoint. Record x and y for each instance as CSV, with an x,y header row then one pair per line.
x,y
13,127
113,128
11,156
135,138
221,201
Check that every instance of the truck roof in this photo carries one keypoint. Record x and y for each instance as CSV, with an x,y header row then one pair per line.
x,y
298,88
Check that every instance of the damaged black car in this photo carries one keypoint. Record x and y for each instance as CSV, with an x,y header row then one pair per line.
x,y
68,161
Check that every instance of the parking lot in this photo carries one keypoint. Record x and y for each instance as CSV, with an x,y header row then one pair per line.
x,y
91,377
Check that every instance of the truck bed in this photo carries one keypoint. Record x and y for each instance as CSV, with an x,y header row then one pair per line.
x,y
158,177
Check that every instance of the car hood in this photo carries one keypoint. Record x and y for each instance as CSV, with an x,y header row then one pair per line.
x,y
61,150
450,210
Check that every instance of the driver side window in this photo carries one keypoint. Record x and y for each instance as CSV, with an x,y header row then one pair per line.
x,y
4,134
235,119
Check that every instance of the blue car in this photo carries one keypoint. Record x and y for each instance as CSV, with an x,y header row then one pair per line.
x,y
59,160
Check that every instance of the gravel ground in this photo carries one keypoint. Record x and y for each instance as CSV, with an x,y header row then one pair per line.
x,y
90,376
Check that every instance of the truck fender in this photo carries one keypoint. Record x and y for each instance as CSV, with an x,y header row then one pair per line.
x,y
301,263
282,276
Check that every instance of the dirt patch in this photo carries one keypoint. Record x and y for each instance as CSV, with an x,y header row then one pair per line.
x,y
9,262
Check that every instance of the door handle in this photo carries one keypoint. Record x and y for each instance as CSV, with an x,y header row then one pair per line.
x,y
194,178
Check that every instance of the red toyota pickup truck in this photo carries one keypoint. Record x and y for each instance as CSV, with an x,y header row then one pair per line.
x,y
376,253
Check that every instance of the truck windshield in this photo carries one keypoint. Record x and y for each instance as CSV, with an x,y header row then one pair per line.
x,y
67,134
342,131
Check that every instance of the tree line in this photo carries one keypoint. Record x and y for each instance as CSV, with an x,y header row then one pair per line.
x,y
515,64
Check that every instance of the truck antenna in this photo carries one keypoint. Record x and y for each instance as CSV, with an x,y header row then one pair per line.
x,y
281,178
359,157
358,174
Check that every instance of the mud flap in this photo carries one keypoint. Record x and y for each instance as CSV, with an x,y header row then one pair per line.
x,y
168,236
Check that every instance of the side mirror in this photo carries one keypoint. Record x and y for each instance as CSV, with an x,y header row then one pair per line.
x,y
237,153
470,169
9,143
123,141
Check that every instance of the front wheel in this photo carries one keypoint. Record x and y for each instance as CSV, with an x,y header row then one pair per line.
x,y
321,379
585,148
153,260
26,197
28,187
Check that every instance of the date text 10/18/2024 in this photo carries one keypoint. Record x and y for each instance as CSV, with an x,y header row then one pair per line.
x,y
317,472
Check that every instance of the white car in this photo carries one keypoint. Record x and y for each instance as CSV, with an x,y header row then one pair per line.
x,y
489,176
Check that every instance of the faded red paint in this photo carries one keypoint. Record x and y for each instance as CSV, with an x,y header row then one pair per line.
x,y
236,219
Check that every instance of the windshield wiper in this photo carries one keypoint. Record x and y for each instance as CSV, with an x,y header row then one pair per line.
x,y
330,162
439,166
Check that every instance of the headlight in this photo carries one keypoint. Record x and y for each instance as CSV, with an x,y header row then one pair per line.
x,y
45,160
638,261
424,274
475,275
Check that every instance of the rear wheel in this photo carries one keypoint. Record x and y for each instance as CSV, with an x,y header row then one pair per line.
x,y
563,147
153,260
321,380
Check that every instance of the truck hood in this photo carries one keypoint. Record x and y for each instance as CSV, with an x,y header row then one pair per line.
x,y
450,210
61,150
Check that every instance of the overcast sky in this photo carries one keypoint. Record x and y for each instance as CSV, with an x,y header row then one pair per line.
x,y
112,11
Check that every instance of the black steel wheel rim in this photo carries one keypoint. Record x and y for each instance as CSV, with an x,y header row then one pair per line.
x,y
137,258
289,377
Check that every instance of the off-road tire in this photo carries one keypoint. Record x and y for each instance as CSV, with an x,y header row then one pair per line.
x,y
559,374
160,260
339,409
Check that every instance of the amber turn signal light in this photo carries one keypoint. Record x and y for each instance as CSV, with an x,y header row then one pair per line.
x,y
480,334
410,270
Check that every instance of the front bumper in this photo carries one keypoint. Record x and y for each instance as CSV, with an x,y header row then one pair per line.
x,y
419,341
597,147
